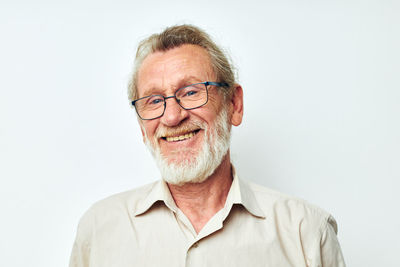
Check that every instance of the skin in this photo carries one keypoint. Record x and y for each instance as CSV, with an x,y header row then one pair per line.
x,y
163,73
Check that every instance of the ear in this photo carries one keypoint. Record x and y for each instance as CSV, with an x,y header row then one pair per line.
x,y
237,105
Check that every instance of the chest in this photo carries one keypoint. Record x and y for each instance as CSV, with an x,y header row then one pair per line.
x,y
241,240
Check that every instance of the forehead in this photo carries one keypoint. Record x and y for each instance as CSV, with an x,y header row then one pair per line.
x,y
174,67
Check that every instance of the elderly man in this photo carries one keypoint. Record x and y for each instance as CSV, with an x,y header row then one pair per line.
x,y
200,213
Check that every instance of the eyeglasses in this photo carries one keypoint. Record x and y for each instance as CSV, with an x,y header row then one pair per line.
x,y
188,97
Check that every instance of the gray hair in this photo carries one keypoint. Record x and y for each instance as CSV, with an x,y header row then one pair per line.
x,y
176,36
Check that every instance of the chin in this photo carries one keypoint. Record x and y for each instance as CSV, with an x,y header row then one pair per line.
x,y
188,166
180,158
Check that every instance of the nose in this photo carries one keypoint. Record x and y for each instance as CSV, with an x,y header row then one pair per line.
x,y
174,113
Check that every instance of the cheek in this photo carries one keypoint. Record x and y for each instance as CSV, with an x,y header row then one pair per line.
x,y
148,128
206,115
212,100
215,103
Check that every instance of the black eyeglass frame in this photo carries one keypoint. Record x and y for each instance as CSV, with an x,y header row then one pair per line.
x,y
178,100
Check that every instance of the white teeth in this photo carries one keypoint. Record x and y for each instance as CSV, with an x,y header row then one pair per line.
x,y
180,138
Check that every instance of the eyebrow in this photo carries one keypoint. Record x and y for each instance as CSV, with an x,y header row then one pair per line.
x,y
185,81
152,91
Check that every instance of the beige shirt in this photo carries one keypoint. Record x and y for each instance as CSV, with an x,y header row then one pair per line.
x,y
256,227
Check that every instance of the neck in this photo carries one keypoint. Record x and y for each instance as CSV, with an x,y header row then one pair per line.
x,y
200,201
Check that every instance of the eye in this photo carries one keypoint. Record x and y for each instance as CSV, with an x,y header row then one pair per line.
x,y
154,100
191,93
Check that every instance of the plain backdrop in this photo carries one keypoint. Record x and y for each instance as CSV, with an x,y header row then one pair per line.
x,y
321,85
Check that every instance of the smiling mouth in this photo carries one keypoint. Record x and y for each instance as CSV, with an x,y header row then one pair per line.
x,y
180,137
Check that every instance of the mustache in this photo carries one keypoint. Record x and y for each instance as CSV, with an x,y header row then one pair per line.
x,y
185,127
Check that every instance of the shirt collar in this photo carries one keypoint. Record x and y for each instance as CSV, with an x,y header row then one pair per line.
x,y
239,193
242,194
159,192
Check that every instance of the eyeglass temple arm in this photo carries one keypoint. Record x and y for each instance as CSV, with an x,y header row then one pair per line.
x,y
216,84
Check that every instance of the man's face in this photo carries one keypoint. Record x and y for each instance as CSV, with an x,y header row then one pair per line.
x,y
165,72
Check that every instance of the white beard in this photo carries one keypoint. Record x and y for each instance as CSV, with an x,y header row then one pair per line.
x,y
209,157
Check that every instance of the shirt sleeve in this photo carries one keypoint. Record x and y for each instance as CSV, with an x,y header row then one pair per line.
x,y
330,253
80,255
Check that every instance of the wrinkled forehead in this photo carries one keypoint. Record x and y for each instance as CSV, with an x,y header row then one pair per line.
x,y
173,68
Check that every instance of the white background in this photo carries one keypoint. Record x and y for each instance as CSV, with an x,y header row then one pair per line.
x,y
321,83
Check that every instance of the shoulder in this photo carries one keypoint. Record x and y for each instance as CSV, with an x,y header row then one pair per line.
x,y
291,211
292,216
115,206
